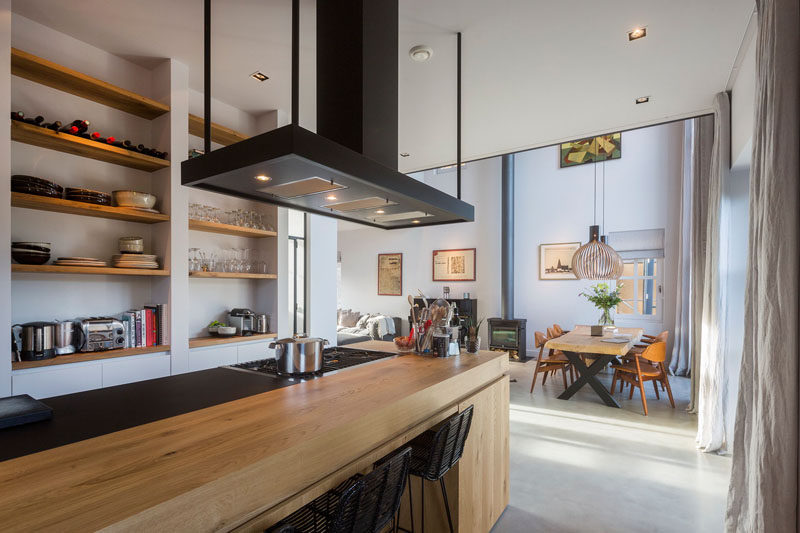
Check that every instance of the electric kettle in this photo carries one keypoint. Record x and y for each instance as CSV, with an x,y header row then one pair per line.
x,y
36,340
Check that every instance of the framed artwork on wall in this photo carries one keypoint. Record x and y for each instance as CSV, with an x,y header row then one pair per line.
x,y
390,274
454,265
591,150
555,260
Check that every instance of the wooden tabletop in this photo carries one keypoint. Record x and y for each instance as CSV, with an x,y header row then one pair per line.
x,y
210,469
580,340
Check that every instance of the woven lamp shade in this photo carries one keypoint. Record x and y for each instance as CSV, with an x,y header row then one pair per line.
x,y
596,260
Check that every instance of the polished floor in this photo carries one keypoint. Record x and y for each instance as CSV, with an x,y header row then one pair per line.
x,y
578,465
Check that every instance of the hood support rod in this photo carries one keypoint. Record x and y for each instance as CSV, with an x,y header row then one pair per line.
x,y
458,116
207,76
296,62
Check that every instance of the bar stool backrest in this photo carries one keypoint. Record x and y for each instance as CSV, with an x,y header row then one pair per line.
x,y
373,500
448,444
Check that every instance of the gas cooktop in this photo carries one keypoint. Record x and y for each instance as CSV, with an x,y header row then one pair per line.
x,y
333,360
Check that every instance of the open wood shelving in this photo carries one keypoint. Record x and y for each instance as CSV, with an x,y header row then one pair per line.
x,y
199,342
59,205
46,72
229,229
230,275
219,134
89,356
72,144
59,269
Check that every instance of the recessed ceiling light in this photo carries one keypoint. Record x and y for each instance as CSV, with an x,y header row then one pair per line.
x,y
262,177
260,76
415,221
421,53
380,211
642,99
330,197
637,33
404,154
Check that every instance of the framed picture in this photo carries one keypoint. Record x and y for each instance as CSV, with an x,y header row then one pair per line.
x,y
591,150
390,274
454,265
555,260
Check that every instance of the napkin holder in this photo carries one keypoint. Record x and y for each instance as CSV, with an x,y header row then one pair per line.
x,y
597,331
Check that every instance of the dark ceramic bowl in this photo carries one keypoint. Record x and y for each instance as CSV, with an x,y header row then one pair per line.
x,y
30,258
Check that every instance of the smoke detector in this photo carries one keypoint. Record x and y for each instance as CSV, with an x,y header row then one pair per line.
x,y
420,53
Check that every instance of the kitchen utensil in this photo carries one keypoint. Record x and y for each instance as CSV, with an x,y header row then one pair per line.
x,y
422,295
298,355
67,337
226,331
36,340
243,320
134,199
262,323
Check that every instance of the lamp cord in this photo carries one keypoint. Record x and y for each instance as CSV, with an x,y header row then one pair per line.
x,y
595,194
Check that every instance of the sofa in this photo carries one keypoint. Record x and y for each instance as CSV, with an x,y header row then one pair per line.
x,y
353,326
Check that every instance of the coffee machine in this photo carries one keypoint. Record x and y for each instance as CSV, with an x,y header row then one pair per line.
x,y
243,320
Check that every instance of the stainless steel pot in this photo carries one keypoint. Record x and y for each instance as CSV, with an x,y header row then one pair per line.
x,y
298,355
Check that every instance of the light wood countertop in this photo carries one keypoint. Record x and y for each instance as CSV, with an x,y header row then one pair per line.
x,y
214,468
580,340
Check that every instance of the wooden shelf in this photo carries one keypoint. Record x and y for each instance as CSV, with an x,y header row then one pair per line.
x,y
90,356
71,144
229,229
40,70
199,342
57,269
239,275
59,205
219,134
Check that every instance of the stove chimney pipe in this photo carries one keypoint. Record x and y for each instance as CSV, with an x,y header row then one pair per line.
x,y
507,237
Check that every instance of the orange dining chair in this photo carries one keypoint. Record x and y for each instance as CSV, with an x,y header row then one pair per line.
x,y
555,361
646,366
639,348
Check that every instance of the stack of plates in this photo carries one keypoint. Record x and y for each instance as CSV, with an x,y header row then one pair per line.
x,y
135,261
34,185
30,253
80,262
88,196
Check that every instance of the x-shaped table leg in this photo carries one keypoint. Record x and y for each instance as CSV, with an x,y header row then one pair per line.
x,y
586,374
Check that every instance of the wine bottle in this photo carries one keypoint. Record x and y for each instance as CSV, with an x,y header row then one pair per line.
x,y
95,135
81,125
69,128
55,126
38,120
17,115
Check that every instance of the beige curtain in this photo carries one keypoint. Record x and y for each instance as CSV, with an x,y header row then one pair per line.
x,y
763,491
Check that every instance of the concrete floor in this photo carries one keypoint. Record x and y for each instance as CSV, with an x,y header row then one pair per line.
x,y
577,465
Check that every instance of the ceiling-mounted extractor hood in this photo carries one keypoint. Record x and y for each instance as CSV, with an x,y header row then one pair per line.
x,y
348,169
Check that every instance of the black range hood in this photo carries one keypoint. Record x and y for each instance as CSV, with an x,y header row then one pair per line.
x,y
348,170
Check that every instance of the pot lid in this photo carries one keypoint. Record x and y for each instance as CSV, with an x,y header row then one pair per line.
x,y
291,340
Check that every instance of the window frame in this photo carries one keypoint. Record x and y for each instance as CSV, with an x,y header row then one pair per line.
x,y
658,295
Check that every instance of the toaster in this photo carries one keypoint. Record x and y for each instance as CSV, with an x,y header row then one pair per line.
x,y
101,334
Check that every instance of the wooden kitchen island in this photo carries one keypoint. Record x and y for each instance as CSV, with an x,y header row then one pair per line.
x,y
244,464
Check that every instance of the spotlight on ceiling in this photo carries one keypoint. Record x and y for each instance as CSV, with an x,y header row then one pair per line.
x,y
380,211
260,76
415,221
262,177
637,33
404,154
420,53
330,197
642,99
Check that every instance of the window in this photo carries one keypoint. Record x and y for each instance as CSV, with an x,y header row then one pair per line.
x,y
641,289
297,270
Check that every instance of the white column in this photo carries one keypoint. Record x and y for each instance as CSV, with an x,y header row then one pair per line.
x,y
5,197
321,305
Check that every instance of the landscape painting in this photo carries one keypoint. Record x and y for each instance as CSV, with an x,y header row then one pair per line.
x,y
555,260
591,150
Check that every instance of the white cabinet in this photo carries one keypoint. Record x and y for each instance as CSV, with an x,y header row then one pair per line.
x,y
254,351
128,370
211,357
55,381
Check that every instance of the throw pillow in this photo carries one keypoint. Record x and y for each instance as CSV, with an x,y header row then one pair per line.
x,y
350,318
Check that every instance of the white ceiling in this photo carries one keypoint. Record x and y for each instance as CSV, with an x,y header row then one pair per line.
x,y
534,72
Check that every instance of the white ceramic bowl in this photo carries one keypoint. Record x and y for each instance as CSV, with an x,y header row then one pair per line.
x,y
226,330
134,199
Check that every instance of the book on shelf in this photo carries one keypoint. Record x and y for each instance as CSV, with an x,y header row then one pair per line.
x,y
146,326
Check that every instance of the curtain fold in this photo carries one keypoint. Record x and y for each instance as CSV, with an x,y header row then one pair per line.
x,y
763,490
711,422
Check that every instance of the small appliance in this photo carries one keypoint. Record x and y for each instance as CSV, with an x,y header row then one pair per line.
x,y
261,323
243,320
67,337
35,340
101,333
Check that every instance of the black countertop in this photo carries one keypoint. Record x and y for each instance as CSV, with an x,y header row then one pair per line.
x,y
89,414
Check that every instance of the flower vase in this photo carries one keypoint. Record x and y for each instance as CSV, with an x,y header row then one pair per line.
x,y
607,318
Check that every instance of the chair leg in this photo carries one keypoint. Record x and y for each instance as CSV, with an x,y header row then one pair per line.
x,y
422,501
666,382
655,388
410,504
641,391
630,397
544,379
564,376
535,373
446,504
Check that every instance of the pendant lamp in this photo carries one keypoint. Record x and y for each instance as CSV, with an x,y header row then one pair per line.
x,y
596,259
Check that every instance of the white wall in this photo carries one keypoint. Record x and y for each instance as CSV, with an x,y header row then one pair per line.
x,y
321,277
360,249
552,205
743,107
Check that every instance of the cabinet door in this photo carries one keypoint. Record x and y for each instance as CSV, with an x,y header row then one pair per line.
x,y
118,372
483,469
58,381
254,351
204,358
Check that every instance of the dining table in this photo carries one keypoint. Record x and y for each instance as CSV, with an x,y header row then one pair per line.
x,y
579,344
